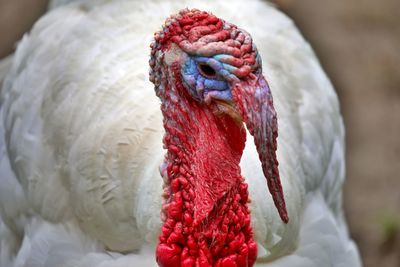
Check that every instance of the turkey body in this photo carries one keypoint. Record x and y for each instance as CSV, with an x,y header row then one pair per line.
x,y
81,141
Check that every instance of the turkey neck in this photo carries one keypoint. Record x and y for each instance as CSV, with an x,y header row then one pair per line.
x,y
205,214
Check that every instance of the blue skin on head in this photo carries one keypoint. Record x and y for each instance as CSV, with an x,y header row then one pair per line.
x,y
212,83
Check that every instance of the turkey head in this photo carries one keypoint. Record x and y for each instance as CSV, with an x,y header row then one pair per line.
x,y
207,73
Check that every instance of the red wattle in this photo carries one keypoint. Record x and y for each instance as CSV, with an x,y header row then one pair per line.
x,y
206,217
168,255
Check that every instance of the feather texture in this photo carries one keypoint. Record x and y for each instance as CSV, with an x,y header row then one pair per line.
x,y
81,143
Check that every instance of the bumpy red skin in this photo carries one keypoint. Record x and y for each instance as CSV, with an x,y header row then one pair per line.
x,y
206,218
205,212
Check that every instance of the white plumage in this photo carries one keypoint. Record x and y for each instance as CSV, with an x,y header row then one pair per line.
x,y
81,145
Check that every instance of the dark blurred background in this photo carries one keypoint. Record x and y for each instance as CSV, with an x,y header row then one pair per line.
x,y
358,44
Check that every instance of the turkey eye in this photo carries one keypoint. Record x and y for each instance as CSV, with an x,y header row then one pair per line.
x,y
207,71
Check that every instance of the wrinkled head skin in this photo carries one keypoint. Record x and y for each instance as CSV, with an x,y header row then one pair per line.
x,y
201,62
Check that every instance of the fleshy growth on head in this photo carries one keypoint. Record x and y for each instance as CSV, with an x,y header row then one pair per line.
x,y
199,33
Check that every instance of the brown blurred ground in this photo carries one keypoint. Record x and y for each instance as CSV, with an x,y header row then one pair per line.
x,y
16,17
358,43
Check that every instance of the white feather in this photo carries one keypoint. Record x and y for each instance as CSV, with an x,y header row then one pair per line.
x,y
81,139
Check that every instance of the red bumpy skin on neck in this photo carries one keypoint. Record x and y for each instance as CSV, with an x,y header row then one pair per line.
x,y
206,218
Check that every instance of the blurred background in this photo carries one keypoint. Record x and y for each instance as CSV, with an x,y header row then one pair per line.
x,y
358,44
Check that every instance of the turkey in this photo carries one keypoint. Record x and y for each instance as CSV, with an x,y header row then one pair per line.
x,y
104,164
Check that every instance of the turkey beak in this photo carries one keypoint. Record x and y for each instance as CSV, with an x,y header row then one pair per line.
x,y
253,101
